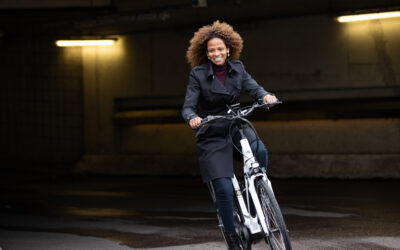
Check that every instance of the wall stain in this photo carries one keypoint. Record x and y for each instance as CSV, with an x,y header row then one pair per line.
x,y
384,61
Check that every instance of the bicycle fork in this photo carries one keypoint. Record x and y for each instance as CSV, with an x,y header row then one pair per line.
x,y
249,221
257,223
253,223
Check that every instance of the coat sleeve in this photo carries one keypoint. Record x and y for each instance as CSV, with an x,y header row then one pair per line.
x,y
252,87
189,110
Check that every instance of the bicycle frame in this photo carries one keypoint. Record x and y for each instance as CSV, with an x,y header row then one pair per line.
x,y
253,224
252,171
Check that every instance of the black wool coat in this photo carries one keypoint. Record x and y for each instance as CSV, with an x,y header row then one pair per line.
x,y
206,95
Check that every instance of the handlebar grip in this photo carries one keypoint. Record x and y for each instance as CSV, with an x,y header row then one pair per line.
x,y
206,120
268,104
210,118
277,102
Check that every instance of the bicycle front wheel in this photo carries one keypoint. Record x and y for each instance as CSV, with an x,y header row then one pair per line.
x,y
277,237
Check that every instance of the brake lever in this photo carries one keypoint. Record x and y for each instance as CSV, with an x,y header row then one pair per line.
x,y
204,121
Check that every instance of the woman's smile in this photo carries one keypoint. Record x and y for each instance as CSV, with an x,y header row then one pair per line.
x,y
217,51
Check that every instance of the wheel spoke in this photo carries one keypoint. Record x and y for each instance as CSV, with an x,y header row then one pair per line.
x,y
277,237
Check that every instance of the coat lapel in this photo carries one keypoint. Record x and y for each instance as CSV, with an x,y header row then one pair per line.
x,y
231,82
216,85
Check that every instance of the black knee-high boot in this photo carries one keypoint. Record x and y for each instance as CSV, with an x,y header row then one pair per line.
x,y
233,241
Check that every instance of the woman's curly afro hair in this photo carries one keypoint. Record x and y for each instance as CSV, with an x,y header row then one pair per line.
x,y
197,51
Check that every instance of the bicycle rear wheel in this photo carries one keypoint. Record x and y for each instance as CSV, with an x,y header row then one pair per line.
x,y
278,237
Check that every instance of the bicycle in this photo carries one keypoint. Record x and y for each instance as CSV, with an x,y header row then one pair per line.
x,y
256,212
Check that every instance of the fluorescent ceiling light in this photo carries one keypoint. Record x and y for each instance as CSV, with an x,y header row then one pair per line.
x,y
79,43
369,16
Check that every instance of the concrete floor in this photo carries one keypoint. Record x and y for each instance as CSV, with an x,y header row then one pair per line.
x,y
109,212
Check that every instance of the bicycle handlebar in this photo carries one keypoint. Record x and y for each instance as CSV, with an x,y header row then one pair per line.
x,y
238,114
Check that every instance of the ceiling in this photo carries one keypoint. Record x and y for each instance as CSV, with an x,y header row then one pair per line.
x,y
105,17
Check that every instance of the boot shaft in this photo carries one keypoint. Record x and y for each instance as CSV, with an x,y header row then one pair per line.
x,y
232,239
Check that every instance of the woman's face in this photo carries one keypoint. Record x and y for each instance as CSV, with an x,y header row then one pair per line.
x,y
217,51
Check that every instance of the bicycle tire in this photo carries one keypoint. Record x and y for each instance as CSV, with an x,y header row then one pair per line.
x,y
278,238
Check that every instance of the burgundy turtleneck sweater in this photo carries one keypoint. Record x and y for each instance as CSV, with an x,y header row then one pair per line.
x,y
220,72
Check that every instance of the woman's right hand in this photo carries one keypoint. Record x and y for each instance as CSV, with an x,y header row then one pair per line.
x,y
195,122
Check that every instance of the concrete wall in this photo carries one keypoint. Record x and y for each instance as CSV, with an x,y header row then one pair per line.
x,y
306,58
350,148
58,105
137,66
41,110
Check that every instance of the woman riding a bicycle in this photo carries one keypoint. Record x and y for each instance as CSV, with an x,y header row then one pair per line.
x,y
216,80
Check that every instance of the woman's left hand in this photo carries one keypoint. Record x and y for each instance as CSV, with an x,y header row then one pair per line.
x,y
270,98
